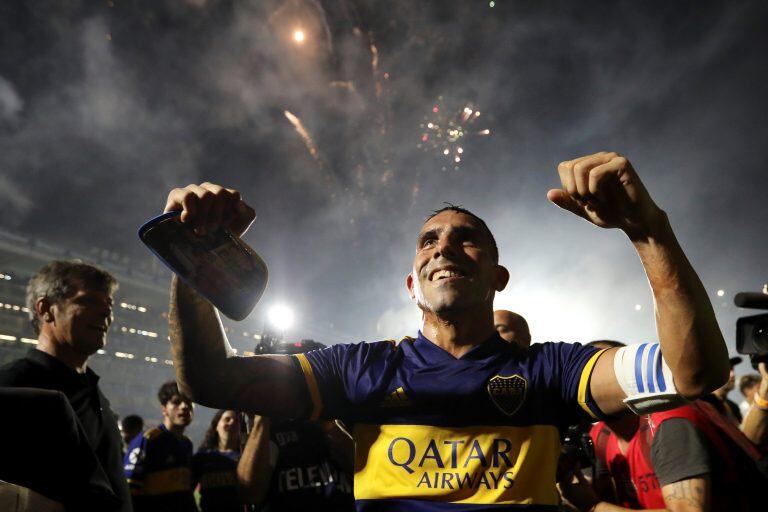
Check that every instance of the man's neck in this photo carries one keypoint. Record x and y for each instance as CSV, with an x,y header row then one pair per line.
x,y
721,394
176,430
458,333
63,352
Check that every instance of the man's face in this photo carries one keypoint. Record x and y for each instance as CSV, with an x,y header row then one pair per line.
x,y
129,433
82,319
178,411
453,269
512,328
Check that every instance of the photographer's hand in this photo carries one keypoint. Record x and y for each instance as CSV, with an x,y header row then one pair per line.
x,y
576,491
755,425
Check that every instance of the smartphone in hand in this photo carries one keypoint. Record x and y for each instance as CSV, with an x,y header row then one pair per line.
x,y
219,266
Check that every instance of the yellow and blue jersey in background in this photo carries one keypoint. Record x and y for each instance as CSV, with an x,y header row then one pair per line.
x,y
158,468
439,433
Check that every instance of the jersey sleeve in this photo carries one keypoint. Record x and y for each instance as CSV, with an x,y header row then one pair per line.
x,y
679,452
134,464
331,375
570,367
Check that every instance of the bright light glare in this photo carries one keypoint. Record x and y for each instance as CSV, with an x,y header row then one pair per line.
x,y
720,293
298,36
281,317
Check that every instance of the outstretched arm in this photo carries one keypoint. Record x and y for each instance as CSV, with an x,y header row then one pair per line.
x,y
208,370
206,367
605,190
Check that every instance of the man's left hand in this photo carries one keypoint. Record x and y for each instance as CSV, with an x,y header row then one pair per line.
x,y
605,190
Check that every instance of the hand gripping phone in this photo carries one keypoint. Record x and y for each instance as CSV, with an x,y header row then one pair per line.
x,y
219,266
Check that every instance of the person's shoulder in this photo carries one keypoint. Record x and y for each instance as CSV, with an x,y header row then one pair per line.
x,y
152,434
372,348
549,348
17,372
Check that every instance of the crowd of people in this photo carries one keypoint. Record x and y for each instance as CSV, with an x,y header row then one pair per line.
x,y
467,415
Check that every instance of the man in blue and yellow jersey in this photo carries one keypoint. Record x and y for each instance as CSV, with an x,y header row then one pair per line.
x,y
158,462
456,419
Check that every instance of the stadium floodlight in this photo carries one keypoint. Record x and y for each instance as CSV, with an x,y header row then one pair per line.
x,y
281,317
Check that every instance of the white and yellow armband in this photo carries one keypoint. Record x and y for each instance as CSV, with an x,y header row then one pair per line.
x,y
646,379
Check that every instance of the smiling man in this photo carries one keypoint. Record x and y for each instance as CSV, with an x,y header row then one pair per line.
x,y
70,308
456,418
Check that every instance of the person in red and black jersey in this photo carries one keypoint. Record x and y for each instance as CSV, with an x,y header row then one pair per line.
x,y
690,458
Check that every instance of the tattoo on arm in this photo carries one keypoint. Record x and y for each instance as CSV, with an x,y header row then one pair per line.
x,y
690,494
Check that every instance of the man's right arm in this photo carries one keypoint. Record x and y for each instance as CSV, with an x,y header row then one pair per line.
x,y
208,370
206,366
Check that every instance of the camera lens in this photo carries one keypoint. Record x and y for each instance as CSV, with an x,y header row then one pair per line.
x,y
760,336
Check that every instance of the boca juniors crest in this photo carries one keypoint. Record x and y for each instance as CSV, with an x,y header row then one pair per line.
x,y
507,393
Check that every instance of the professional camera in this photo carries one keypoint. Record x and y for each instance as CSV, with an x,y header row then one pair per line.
x,y
752,331
577,447
272,345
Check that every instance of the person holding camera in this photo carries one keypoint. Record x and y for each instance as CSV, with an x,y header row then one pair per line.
x,y
691,458
755,424
457,418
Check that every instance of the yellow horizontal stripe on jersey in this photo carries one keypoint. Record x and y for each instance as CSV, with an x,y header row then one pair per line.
x,y
586,375
314,391
472,465
167,481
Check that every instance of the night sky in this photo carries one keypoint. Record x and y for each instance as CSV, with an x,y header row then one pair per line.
x,y
106,106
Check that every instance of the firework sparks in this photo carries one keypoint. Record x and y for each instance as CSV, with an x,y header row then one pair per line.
x,y
309,142
446,132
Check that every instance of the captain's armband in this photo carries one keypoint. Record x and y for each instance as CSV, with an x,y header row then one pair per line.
x,y
646,379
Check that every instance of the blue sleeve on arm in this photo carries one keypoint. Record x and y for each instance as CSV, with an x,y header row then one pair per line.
x,y
333,376
571,366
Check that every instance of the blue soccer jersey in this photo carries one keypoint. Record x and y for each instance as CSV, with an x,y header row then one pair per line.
x,y
158,469
436,433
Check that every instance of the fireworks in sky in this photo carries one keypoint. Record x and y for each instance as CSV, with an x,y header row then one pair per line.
x,y
447,132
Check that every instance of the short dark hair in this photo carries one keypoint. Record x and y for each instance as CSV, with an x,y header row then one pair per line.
x,y
606,344
170,389
133,422
458,209
56,281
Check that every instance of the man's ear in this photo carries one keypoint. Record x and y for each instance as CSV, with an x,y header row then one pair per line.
x,y
502,278
44,309
409,285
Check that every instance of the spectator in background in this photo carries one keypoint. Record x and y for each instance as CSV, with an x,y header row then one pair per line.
x,y
130,427
748,385
297,465
214,466
158,463
755,425
719,397
512,327
70,308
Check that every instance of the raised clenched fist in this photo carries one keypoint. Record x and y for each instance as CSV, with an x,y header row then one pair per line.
x,y
605,190
208,207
